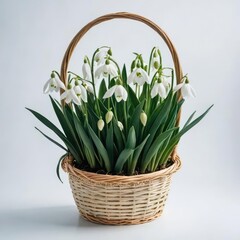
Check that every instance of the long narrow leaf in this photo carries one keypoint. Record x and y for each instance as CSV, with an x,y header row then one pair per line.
x,y
123,157
102,150
53,141
154,147
58,166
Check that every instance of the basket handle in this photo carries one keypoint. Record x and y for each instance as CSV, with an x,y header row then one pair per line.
x,y
111,16
124,15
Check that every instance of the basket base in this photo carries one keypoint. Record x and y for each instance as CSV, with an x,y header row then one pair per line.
x,y
105,221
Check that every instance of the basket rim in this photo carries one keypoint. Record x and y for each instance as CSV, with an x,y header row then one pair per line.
x,y
67,165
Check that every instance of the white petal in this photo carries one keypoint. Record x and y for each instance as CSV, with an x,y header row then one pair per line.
x,y
177,87
59,83
154,91
46,86
83,93
112,70
125,94
162,90
192,91
77,90
119,93
145,76
185,91
84,70
109,92
99,72
63,95
131,77
74,97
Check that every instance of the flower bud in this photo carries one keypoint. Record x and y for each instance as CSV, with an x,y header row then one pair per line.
x,y
156,65
52,75
143,118
155,54
120,125
100,124
109,52
109,116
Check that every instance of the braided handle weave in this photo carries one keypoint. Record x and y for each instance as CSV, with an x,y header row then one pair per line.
x,y
122,15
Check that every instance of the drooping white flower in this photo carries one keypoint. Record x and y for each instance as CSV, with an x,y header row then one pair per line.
x,y
70,95
143,118
119,91
109,116
86,70
186,89
155,63
53,84
120,125
88,87
107,69
138,76
100,56
100,124
159,89
81,92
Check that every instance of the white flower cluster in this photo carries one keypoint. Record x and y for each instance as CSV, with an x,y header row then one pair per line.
x,y
78,88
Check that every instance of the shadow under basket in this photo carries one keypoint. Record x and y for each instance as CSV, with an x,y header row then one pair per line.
x,y
120,200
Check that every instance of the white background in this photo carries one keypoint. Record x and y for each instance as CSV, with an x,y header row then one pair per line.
x,y
204,196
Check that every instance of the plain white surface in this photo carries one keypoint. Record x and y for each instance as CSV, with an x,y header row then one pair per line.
x,y
204,196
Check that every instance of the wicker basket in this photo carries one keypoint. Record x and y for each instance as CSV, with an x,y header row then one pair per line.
x,y
119,200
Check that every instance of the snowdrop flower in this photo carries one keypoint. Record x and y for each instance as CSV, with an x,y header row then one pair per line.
x,y
88,87
138,76
70,95
120,125
158,89
109,116
186,89
86,70
81,92
143,118
53,84
100,57
100,124
106,69
155,61
119,91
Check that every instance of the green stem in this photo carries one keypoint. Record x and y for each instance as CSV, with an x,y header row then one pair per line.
x,y
93,80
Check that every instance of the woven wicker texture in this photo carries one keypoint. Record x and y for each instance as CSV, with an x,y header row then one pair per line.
x,y
119,200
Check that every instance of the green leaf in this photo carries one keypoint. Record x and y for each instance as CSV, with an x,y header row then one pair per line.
x,y
135,117
132,97
174,141
136,155
124,75
51,126
118,136
131,139
102,89
123,157
50,139
101,149
85,139
110,143
159,120
189,119
58,166
154,148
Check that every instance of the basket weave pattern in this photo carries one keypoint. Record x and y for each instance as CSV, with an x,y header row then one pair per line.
x,y
120,200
